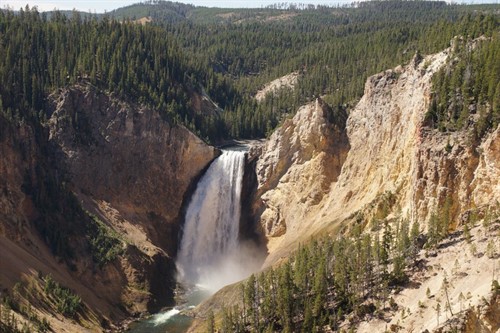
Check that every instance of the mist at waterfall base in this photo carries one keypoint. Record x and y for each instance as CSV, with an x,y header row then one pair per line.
x,y
211,254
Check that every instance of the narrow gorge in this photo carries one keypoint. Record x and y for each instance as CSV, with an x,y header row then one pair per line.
x,y
213,250
293,168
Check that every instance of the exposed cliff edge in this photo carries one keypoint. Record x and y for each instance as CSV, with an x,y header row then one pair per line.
x,y
388,164
125,157
100,167
296,167
386,153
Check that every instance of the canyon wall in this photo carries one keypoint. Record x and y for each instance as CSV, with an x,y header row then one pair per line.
x,y
387,161
127,161
97,160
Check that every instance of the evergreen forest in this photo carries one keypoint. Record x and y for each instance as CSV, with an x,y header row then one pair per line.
x,y
230,54
166,56
350,278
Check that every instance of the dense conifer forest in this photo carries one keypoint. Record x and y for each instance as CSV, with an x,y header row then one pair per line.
x,y
186,50
227,56
467,90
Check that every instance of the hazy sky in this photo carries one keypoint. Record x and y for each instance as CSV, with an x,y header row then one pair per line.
x,y
99,6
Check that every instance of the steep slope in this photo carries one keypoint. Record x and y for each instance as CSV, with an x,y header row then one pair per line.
x,y
94,200
126,158
296,167
459,271
357,185
288,81
394,164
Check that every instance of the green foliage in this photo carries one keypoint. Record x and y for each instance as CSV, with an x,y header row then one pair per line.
x,y
495,287
414,234
165,11
105,245
187,51
333,49
491,249
401,252
445,287
143,63
324,281
386,246
66,302
30,320
330,279
468,84
440,222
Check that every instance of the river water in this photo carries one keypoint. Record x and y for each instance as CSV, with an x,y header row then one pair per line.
x,y
172,321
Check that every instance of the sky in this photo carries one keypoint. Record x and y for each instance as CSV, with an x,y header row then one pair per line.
x,y
100,6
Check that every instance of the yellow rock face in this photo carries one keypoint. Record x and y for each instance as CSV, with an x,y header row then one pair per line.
x,y
313,174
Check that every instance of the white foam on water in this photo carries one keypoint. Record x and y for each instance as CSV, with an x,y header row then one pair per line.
x,y
162,318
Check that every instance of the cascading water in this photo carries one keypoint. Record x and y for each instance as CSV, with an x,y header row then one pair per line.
x,y
210,254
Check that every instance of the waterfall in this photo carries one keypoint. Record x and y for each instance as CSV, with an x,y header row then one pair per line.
x,y
210,254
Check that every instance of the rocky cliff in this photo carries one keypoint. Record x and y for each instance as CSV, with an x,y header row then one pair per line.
x,y
127,161
99,167
386,161
296,167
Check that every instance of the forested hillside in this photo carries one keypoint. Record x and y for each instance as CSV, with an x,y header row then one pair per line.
x,y
334,49
141,64
467,91
333,285
97,167
163,63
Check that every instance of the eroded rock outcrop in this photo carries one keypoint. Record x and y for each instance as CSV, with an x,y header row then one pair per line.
x,y
297,165
98,157
285,82
310,182
128,160
133,170
485,318
455,171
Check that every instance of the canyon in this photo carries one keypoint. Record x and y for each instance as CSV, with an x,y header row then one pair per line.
x,y
324,171
320,173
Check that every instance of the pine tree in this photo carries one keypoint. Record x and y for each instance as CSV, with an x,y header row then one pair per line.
x,y
385,248
319,289
307,325
285,297
445,287
252,302
433,230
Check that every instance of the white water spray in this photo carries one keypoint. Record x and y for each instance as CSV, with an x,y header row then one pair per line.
x,y
210,255
162,318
